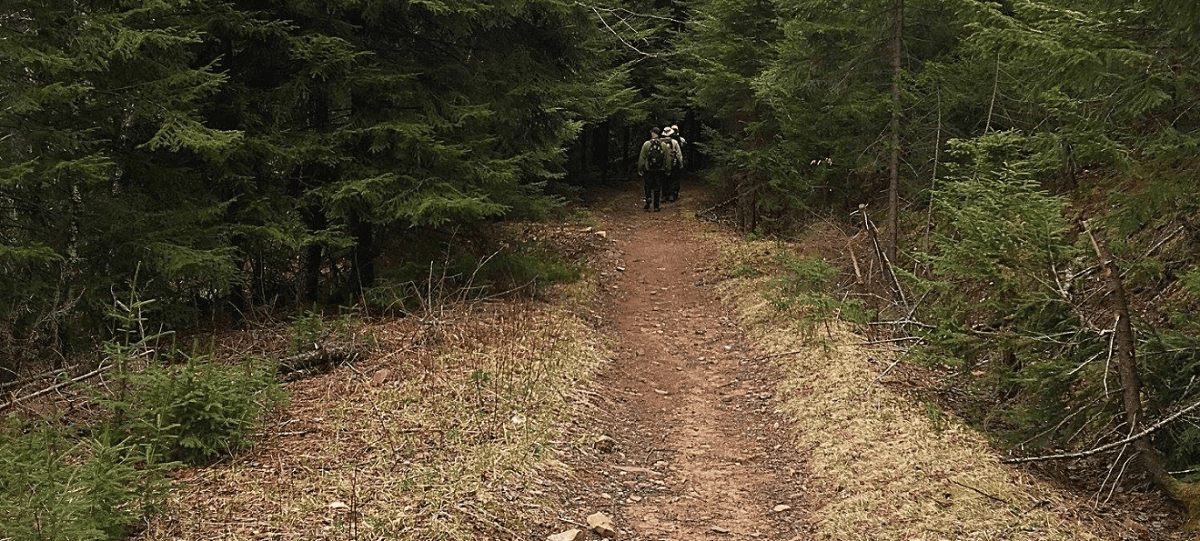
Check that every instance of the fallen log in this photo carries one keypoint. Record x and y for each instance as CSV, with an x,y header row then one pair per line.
x,y
321,359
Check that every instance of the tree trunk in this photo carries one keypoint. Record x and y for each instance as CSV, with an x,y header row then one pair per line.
x,y
1187,495
893,240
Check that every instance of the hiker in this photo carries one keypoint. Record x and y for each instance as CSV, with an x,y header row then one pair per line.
x,y
654,164
671,188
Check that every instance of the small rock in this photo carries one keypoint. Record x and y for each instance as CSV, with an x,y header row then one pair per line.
x,y
620,269
380,377
605,444
781,508
719,529
602,234
602,525
569,535
662,392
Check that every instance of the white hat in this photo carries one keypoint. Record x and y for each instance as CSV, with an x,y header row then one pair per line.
x,y
668,131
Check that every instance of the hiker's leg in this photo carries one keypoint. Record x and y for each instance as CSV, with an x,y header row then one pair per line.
x,y
648,186
658,185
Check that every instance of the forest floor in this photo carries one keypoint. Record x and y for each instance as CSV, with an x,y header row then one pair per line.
x,y
665,393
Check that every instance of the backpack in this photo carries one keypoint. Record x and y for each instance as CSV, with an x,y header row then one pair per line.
x,y
656,155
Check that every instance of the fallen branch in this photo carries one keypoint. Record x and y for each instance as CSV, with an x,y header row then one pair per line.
x,y
890,340
1107,446
55,387
858,277
320,359
713,210
31,379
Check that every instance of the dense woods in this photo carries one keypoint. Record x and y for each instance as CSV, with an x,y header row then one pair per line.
x,y
1035,161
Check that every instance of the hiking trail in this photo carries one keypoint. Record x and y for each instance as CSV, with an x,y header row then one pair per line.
x,y
701,452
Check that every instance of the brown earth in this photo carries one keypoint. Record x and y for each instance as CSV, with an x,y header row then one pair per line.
x,y
701,451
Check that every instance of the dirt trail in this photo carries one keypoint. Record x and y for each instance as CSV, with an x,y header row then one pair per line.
x,y
701,452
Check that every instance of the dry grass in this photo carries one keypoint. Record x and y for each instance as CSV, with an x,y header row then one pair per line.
x,y
883,467
442,433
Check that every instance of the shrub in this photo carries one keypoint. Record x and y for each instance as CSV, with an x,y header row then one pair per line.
x,y
55,489
197,410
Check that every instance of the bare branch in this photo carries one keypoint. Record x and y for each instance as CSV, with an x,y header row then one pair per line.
x,y
1106,447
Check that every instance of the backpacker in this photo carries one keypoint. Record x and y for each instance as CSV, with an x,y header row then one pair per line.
x,y
656,155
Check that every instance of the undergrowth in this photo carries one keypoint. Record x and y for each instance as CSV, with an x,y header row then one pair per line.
x,y
67,481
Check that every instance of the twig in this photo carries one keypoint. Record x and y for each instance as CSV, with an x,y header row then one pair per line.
x,y
858,278
618,35
1105,447
1150,251
989,496
912,322
885,371
890,340
775,355
884,263
995,90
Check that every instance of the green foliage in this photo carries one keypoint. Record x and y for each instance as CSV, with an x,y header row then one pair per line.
x,y
996,224
1191,281
57,488
312,327
529,264
307,330
521,267
196,410
805,285
191,411
744,270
